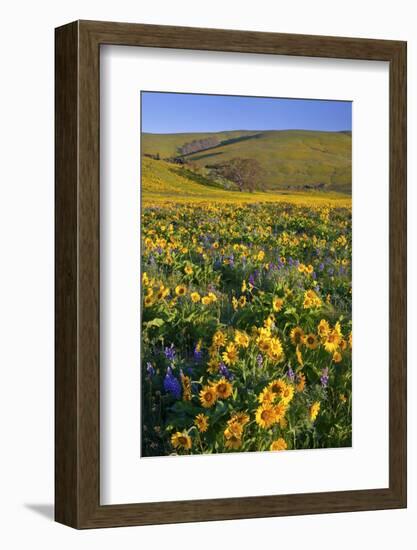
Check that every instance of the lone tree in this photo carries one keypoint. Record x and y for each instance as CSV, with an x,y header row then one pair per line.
x,y
245,173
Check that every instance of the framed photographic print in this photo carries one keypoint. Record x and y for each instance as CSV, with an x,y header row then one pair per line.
x,y
230,274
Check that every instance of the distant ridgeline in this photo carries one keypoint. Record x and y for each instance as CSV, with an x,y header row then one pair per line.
x,y
267,160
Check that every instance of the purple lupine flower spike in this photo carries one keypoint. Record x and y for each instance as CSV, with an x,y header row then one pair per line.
x,y
324,379
224,371
170,352
150,369
171,384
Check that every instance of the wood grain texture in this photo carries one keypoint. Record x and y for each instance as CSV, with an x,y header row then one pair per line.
x,y
66,254
78,284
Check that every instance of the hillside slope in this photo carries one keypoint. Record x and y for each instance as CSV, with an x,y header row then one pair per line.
x,y
290,158
163,181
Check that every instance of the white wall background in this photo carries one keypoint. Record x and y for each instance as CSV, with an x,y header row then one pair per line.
x,y
26,272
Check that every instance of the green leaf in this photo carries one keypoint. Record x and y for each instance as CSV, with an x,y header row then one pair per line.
x,y
157,322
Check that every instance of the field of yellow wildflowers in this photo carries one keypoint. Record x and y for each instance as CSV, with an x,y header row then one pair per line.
x,y
246,327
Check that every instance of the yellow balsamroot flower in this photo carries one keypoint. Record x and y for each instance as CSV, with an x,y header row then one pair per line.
x,y
162,292
338,329
269,322
212,296
149,292
180,290
277,387
301,268
202,422
343,344
287,394
235,303
277,304
265,415
219,339
149,301
309,269
278,445
224,388
181,440
337,357
331,343
241,339
230,356
341,241
310,341
195,297
323,328
261,256
233,442
264,332
311,300
213,365
288,293
342,398
300,383
244,287
208,396
241,418
186,387
280,410
206,300
149,244
188,270
314,410
264,344
242,301
233,435
145,279
275,351
213,351
233,428
266,395
297,335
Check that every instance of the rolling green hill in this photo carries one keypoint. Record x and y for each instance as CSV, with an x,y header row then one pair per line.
x,y
164,181
291,159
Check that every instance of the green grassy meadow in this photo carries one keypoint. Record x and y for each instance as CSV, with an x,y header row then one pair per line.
x,y
291,159
166,182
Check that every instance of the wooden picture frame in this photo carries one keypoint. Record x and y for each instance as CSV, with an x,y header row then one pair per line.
x,y
77,382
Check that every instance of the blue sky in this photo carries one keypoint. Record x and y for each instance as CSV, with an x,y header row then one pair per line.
x,y
172,112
